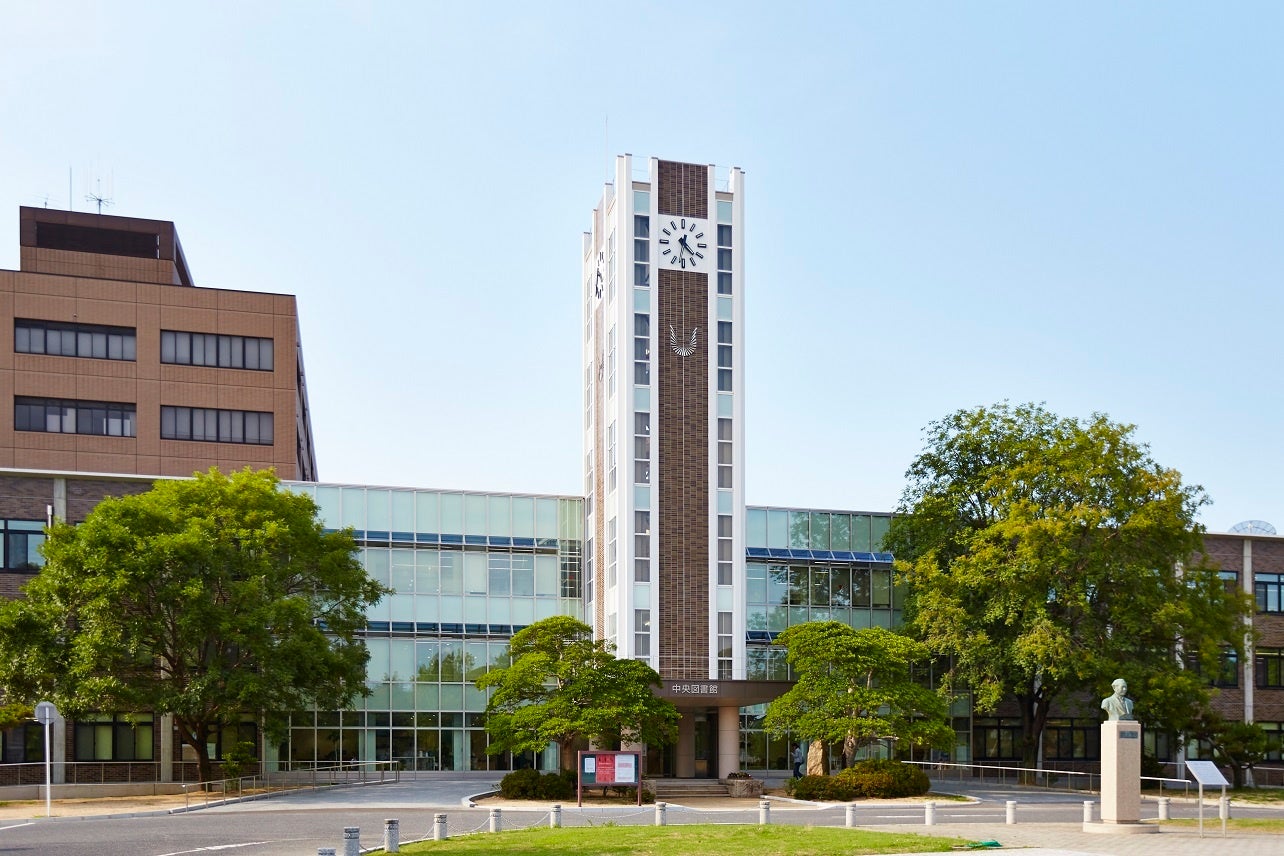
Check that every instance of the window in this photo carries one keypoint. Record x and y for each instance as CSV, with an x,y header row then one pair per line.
x,y
641,239
1274,740
1266,589
724,550
216,426
1269,672
610,266
54,416
642,546
610,361
724,259
642,634
610,457
997,739
209,349
724,645
641,448
642,349
611,551
22,540
103,737
94,341
1226,673
1073,740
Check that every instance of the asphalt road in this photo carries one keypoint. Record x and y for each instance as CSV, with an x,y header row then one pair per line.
x,y
298,824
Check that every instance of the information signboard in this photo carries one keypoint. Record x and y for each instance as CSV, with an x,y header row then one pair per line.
x,y
609,769
1206,773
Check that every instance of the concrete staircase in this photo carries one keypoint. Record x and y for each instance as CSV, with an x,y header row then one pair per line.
x,y
675,790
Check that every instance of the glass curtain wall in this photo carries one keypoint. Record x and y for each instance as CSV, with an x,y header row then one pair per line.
x,y
467,571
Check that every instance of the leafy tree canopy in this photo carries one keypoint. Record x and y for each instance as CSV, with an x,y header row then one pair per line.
x,y
209,599
1237,745
856,686
563,687
1048,555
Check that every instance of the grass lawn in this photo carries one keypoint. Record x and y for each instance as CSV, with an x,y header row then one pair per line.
x,y
1261,796
1237,824
706,840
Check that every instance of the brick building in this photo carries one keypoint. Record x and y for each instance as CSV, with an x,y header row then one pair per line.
x,y
113,361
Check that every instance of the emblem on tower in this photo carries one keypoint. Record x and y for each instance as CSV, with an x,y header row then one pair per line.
x,y
683,349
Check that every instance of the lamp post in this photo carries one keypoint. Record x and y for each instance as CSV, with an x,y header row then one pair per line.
x,y
46,713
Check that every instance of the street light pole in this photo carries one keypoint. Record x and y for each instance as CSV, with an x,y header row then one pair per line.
x,y
46,713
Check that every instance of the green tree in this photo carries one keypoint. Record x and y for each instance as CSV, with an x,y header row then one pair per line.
x,y
856,686
563,687
1046,556
209,599
1237,745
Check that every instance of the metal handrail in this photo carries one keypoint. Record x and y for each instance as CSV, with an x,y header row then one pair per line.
x,y
1020,775
286,781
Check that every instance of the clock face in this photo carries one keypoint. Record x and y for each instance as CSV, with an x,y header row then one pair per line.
x,y
682,243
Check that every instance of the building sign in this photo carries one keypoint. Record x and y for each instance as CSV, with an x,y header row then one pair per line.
x,y
693,689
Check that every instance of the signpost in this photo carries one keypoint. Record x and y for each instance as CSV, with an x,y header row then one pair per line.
x,y
1206,773
614,769
46,713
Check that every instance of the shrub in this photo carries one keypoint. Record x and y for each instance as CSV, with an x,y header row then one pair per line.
x,y
530,784
816,788
520,785
878,778
556,786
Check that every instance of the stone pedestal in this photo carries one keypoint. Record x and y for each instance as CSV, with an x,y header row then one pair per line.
x,y
1120,780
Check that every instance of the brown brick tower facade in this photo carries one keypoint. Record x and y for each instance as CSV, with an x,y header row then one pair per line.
x,y
683,476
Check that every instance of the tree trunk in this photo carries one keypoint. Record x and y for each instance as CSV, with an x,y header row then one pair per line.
x,y
198,739
817,759
1033,717
566,755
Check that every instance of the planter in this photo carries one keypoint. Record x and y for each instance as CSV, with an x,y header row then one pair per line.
x,y
744,788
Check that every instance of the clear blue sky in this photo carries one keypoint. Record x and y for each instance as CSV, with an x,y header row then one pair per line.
x,y
948,205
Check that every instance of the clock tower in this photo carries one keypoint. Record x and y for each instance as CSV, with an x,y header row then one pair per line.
x,y
663,356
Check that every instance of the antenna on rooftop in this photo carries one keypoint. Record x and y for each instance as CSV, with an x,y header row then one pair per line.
x,y
97,196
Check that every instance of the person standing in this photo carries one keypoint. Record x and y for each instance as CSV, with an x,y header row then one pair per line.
x,y
798,761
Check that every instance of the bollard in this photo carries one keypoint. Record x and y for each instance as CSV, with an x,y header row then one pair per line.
x,y
496,820
659,813
929,813
555,817
1087,811
439,828
1011,818
764,813
392,835
851,815
1223,808
352,841
1163,808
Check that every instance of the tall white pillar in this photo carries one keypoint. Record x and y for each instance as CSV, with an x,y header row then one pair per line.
x,y
728,741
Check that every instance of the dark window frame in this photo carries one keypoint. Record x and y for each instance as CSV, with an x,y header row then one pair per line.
x,y
82,416
217,350
214,425
83,343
